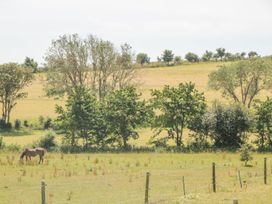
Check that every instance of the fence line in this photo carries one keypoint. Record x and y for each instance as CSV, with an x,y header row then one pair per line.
x,y
183,185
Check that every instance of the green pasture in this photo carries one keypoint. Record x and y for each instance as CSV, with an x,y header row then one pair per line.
x,y
120,178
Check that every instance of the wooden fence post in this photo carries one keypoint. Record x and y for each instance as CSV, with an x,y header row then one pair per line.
x,y
265,171
43,191
240,180
213,177
183,186
147,187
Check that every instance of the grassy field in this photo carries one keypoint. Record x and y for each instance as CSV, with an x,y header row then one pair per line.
x,y
120,178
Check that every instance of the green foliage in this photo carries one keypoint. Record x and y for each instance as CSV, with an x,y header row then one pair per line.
x,y
220,53
48,141
177,60
125,112
246,153
48,123
252,54
142,58
26,123
207,56
198,144
83,118
264,123
226,125
242,81
13,148
177,108
191,57
13,79
167,56
17,124
31,64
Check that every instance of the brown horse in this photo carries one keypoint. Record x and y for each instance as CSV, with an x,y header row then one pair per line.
x,y
28,153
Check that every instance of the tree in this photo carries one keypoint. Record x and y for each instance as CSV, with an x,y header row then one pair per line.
x,y
207,56
177,60
13,79
176,108
229,56
243,55
264,123
30,63
67,63
81,118
125,112
246,154
111,70
191,57
142,58
221,53
167,56
242,81
91,62
227,125
252,54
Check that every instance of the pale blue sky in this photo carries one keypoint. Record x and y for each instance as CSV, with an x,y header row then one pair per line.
x,y
28,26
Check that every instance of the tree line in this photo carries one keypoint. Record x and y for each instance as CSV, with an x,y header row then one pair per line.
x,y
220,54
105,110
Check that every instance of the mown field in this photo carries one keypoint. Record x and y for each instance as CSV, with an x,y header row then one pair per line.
x,y
37,103
120,178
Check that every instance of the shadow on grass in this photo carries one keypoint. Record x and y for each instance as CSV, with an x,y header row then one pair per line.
x,y
15,133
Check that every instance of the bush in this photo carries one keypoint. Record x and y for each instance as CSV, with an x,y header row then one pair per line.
x,y
246,153
225,125
17,124
48,141
13,147
41,121
197,144
4,125
48,124
26,123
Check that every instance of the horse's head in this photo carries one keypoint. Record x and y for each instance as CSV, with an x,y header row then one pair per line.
x,y
23,154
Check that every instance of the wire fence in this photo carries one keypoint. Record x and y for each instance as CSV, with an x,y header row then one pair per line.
x,y
183,185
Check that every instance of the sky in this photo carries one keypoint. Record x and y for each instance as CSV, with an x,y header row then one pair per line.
x,y
27,27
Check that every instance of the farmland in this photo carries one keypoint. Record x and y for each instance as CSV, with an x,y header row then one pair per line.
x,y
120,178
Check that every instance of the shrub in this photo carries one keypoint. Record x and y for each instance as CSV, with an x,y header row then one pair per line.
x,y
48,124
4,125
198,144
17,124
225,125
48,141
41,121
13,147
26,123
246,153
